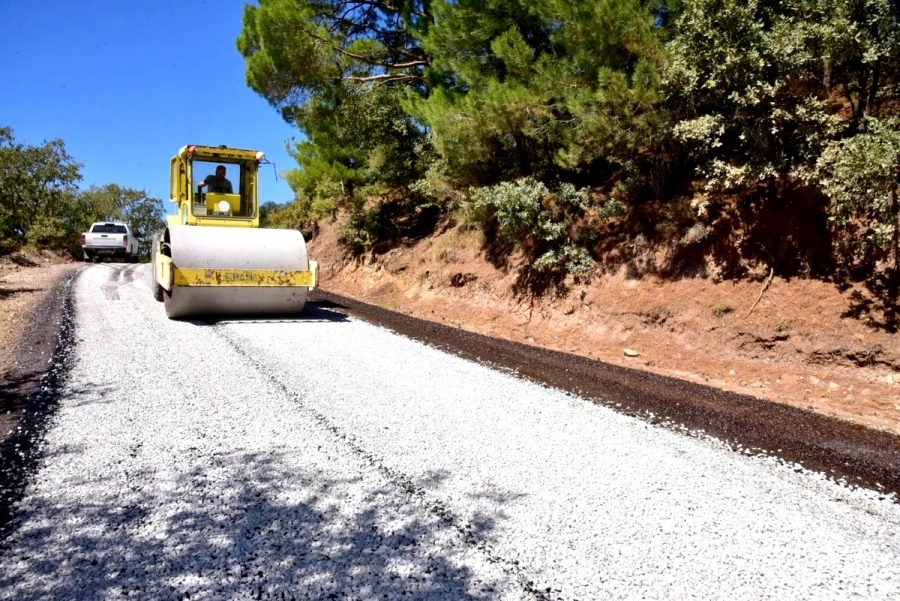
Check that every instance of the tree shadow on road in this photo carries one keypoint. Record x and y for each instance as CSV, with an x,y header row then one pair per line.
x,y
248,525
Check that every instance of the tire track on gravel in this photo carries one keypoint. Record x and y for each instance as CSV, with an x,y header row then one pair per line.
x,y
128,273
119,276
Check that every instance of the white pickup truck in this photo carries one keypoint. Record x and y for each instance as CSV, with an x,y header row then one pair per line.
x,y
111,239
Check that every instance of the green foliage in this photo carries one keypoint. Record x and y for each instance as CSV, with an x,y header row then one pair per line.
x,y
299,215
340,71
422,98
38,189
42,206
569,258
518,209
389,222
145,214
437,185
758,88
272,214
266,209
611,208
860,175
364,140
300,50
359,232
526,207
540,87
406,104
525,211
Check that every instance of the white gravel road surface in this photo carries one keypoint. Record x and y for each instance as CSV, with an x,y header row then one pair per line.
x,y
327,458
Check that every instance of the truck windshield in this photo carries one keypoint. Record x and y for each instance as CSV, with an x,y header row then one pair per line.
x,y
108,228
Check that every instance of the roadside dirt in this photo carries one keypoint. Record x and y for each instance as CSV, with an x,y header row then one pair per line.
x,y
30,285
806,344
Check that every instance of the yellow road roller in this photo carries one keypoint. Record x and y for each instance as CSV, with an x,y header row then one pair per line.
x,y
212,258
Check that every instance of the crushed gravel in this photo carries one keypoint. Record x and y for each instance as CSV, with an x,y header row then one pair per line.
x,y
330,458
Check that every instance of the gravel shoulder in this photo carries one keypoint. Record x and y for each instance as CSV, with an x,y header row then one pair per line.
x,y
26,283
330,456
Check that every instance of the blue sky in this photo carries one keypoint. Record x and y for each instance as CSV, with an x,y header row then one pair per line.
x,y
126,85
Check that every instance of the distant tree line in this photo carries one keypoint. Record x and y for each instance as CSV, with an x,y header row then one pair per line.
x,y
41,205
550,121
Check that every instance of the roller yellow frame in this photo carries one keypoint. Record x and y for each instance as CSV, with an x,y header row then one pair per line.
x,y
169,276
239,209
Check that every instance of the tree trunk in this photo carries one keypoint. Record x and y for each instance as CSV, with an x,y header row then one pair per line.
x,y
862,108
873,90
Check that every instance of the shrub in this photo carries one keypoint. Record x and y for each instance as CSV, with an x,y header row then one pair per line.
x,y
518,209
526,212
568,258
860,175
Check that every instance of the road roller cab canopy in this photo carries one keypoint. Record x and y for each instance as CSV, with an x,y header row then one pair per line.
x,y
209,204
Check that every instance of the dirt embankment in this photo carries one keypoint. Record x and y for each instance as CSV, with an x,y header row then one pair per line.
x,y
805,343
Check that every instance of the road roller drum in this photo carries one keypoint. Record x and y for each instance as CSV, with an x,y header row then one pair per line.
x,y
229,271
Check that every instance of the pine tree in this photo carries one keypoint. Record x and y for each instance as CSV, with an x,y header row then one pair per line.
x,y
539,88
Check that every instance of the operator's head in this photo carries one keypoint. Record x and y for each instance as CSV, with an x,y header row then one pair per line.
x,y
220,171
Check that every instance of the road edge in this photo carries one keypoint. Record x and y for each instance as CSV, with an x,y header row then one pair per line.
x,y
34,383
